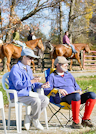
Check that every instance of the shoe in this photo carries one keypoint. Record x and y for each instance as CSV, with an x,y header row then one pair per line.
x,y
37,124
76,125
26,122
87,123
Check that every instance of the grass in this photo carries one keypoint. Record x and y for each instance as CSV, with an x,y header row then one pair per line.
x,y
90,132
83,82
4,95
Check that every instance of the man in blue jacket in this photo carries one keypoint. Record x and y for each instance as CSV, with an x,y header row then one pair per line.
x,y
21,79
70,92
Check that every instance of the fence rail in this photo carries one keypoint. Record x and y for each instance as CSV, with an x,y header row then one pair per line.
x,y
89,60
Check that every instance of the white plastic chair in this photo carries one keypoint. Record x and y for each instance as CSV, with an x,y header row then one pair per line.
x,y
2,110
16,104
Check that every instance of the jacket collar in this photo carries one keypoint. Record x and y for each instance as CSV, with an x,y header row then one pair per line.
x,y
22,66
57,73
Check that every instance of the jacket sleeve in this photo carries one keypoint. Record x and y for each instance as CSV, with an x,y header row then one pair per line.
x,y
16,36
51,82
19,80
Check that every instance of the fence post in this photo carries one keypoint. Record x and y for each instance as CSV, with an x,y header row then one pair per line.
x,y
84,59
43,65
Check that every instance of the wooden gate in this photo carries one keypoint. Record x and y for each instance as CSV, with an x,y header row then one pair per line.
x,y
89,60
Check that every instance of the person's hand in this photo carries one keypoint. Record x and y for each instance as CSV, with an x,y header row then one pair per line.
x,y
45,85
63,92
36,79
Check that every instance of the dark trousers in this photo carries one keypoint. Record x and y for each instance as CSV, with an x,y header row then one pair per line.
x,y
76,97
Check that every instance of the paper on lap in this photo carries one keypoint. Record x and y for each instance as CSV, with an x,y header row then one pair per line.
x,y
33,94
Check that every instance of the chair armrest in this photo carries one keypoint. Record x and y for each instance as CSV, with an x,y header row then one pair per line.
x,y
15,94
53,92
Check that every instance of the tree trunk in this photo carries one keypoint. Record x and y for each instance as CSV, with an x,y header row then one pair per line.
x,y
60,23
9,34
71,14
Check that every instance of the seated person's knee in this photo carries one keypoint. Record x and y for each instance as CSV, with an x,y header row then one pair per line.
x,y
92,95
76,97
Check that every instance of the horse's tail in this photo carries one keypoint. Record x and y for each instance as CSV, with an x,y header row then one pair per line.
x,y
54,53
2,49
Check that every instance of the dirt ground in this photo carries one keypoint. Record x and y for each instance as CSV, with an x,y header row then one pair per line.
x,y
54,126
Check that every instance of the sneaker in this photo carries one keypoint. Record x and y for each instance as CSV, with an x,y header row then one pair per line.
x,y
87,123
26,122
76,125
37,124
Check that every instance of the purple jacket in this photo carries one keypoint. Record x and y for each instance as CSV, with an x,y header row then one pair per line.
x,y
66,40
66,82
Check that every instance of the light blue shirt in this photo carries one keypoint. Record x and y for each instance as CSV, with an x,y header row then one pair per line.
x,y
20,80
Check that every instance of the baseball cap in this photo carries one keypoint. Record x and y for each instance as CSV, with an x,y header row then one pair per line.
x,y
28,52
61,59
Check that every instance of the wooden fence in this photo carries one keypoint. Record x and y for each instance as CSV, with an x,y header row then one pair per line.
x,y
89,60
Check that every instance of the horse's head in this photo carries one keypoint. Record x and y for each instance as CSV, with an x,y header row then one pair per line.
x,y
48,45
40,45
87,49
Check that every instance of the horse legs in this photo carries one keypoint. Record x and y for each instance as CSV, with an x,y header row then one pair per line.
x,y
52,63
78,59
71,65
33,66
8,63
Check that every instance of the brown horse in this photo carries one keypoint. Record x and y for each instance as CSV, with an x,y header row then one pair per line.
x,y
12,51
66,51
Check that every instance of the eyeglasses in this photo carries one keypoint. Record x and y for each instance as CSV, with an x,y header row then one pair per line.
x,y
31,58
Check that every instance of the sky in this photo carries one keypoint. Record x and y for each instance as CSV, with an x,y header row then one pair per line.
x,y
45,26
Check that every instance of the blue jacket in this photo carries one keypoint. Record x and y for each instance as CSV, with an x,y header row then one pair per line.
x,y
20,80
66,82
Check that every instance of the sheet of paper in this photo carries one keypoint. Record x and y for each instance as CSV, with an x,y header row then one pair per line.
x,y
33,94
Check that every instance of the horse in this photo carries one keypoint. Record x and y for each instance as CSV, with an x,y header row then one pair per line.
x,y
66,51
12,51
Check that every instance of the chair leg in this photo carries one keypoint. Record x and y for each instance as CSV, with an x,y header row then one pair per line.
x,y
54,114
70,118
4,123
9,113
20,117
17,117
56,111
46,120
